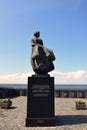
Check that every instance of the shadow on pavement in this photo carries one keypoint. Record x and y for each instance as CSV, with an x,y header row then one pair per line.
x,y
13,107
70,119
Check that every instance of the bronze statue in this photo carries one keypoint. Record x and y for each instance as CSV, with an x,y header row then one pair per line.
x,y
41,57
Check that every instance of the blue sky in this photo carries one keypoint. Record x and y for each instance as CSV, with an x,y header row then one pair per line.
x,y
63,27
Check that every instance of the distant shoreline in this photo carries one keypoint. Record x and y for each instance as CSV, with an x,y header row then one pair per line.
x,y
57,86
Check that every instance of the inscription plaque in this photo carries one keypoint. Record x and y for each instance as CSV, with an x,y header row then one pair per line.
x,y
40,101
40,90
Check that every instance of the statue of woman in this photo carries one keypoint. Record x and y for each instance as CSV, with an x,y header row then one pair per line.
x,y
41,57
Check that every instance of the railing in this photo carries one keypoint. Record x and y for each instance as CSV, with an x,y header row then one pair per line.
x,y
71,93
8,92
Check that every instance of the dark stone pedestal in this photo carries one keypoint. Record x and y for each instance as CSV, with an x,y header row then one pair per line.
x,y
40,102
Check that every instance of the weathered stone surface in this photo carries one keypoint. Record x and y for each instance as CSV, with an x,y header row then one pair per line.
x,y
68,118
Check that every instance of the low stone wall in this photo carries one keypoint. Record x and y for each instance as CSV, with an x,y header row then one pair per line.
x,y
9,92
71,93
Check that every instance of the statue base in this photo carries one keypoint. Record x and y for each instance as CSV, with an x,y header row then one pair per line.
x,y
41,75
40,102
32,122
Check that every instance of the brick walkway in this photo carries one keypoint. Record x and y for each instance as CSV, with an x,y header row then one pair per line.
x,y
67,117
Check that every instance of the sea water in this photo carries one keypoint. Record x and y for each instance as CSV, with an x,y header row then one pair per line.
x,y
57,86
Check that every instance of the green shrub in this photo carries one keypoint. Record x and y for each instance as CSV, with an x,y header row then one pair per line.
x,y
79,102
6,100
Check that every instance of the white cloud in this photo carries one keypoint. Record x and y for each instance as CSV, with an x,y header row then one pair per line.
x,y
76,77
14,78
79,77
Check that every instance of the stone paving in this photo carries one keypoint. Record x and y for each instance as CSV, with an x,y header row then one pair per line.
x,y
67,117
